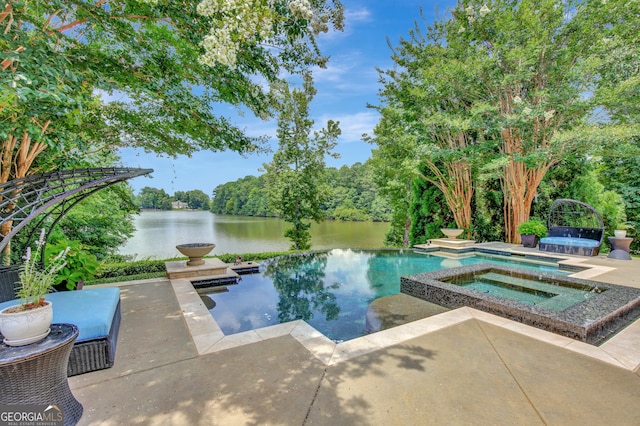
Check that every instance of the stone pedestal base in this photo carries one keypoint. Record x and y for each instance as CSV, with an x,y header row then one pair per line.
x,y
179,269
452,243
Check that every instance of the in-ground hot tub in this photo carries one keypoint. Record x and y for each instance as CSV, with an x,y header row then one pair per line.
x,y
584,310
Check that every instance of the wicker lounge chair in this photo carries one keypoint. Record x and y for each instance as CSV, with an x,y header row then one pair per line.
x,y
574,228
96,312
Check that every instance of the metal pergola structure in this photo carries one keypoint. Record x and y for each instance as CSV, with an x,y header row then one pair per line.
x,y
48,197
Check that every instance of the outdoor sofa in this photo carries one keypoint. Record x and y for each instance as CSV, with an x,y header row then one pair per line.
x,y
96,312
574,228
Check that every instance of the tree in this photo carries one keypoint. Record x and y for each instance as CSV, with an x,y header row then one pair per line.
x,y
353,195
430,96
513,81
78,77
247,195
538,70
295,175
427,216
197,200
614,43
152,198
101,222
57,54
534,85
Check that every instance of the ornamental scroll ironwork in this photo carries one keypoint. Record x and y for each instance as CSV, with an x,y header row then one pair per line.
x,y
47,197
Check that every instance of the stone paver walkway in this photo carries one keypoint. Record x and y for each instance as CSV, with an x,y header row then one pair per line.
x,y
472,372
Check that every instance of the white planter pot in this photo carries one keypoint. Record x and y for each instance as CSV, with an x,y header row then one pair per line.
x,y
620,233
22,328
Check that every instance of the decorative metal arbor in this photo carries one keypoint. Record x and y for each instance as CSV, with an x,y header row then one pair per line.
x,y
574,214
48,197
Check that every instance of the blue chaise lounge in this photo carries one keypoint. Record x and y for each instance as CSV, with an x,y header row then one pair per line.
x,y
96,312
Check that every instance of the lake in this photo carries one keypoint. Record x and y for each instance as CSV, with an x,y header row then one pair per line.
x,y
158,232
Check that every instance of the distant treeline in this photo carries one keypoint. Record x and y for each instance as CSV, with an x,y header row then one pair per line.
x,y
354,196
158,199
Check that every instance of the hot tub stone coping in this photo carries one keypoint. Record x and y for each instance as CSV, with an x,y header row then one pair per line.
x,y
591,321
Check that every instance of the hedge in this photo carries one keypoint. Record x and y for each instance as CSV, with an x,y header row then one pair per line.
x,y
156,268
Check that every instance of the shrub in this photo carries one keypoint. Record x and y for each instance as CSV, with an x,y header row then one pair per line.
x,y
533,227
156,268
80,264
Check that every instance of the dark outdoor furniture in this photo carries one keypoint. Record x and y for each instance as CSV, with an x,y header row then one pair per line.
x,y
36,374
620,248
574,228
96,312
8,280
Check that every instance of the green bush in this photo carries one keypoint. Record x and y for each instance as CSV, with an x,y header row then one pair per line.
x,y
141,269
533,227
124,269
80,264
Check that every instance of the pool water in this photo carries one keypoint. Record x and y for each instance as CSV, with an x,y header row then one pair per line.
x,y
546,294
329,290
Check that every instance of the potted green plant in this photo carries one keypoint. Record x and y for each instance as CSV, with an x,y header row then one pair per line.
x,y
621,230
531,231
29,321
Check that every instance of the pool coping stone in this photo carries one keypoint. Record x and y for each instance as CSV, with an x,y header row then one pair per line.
x,y
619,351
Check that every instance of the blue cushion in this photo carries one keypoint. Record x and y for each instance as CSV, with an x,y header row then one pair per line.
x,y
91,309
568,241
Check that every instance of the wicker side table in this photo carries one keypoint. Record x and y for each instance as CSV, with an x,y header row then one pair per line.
x,y
37,373
620,248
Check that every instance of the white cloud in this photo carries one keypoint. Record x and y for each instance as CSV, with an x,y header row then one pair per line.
x,y
334,72
257,127
346,74
357,15
353,126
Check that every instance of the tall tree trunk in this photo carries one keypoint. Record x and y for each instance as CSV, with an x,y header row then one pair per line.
x,y
16,164
407,222
519,185
457,187
455,181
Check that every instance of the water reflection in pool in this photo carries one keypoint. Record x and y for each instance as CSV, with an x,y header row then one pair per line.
x,y
330,290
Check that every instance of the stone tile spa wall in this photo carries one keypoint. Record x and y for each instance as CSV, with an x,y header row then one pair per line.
x,y
591,320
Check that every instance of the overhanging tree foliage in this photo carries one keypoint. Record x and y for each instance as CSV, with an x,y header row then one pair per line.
x,y
145,59
78,77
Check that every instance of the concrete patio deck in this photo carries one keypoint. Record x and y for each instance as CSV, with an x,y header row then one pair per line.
x,y
466,367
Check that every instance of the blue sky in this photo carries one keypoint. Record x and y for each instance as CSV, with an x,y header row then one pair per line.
x,y
349,83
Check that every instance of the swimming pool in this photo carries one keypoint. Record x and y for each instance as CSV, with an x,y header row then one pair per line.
x,y
331,291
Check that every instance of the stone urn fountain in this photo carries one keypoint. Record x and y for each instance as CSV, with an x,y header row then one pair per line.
x,y
452,233
195,252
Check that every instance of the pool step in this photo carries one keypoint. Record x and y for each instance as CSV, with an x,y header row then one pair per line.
x,y
245,268
218,280
451,243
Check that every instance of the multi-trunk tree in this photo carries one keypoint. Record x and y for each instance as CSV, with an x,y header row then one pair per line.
x,y
428,102
510,87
